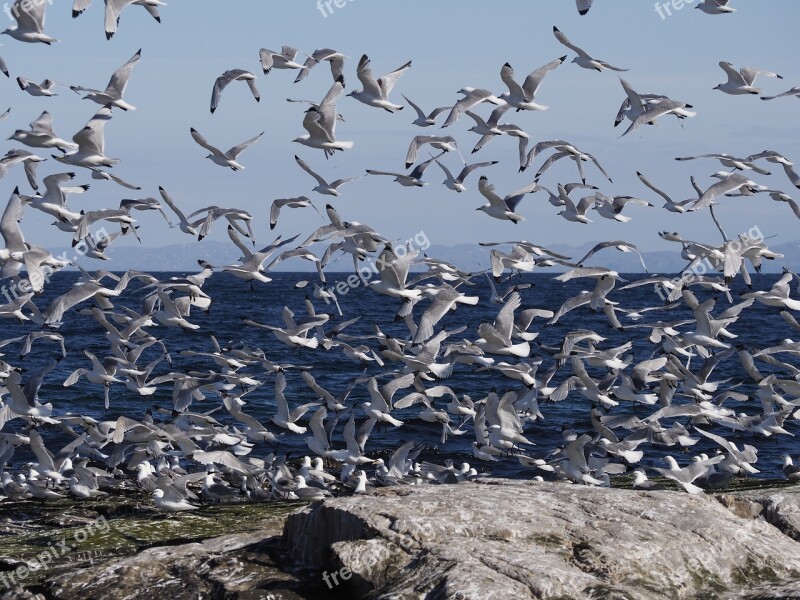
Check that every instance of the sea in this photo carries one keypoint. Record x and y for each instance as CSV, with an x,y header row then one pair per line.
x,y
233,300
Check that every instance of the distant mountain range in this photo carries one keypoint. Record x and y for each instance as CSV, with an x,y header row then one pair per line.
x,y
469,257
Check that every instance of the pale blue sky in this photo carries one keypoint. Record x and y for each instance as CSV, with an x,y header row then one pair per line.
x,y
452,44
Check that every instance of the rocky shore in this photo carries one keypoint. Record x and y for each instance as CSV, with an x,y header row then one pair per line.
x,y
489,539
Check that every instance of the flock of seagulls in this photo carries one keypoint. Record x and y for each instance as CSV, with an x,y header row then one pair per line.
x,y
209,445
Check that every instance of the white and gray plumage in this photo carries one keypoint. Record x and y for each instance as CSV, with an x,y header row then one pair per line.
x,y
619,245
285,59
334,57
445,143
686,475
323,187
583,6
611,207
472,97
320,123
732,162
116,86
795,91
29,162
279,203
741,82
226,78
41,135
457,183
502,208
671,205
414,178
715,7
376,91
425,120
635,104
658,109
730,182
563,149
523,97
224,159
113,10
30,22
583,59
44,89
91,144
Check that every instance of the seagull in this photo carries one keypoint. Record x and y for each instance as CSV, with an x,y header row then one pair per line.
x,y
169,500
715,7
583,6
778,295
335,58
227,77
422,119
30,22
116,86
686,475
320,123
472,97
414,178
672,206
323,187
502,208
583,59
278,60
113,10
445,143
730,182
90,142
44,89
522,96
619,245
563,149
226,159
741,81
279,203
573,212
457,183
611,208
376,92
795,91
790,470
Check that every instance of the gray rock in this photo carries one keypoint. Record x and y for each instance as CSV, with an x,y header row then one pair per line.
x,y
509,539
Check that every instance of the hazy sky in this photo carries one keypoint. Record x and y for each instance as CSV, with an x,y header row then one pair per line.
x,y
452,44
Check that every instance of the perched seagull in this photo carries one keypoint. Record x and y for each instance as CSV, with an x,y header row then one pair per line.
x,y
320,123
422,119
170,500
335,58
741,81
445,143
44,89
457,183
502,208
376,92
583,59
30,22
522,97
323,187
715,7
116,86
91,144
278,60
795,91
224,159
227,77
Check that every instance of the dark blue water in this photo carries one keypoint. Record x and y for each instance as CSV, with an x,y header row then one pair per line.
x,y
759,327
